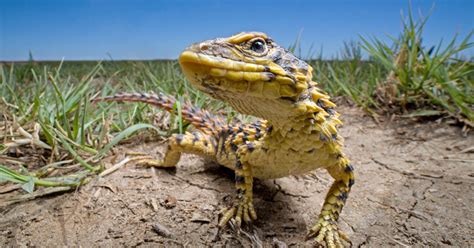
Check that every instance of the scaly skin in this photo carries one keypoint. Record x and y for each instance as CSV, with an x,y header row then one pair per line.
x,y
297,132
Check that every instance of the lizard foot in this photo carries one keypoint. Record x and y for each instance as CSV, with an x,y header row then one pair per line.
x,y
327,234
244,210
147,160
150,162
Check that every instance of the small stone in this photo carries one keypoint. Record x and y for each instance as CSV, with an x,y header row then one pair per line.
x,y
162,230
169,202
199,218
279,244
154,205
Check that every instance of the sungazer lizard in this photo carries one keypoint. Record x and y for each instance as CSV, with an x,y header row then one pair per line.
x,y
296,133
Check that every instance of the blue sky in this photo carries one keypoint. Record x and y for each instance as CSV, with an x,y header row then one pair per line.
x,y
146,29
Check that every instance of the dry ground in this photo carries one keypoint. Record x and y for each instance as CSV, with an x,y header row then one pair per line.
x,y
414,188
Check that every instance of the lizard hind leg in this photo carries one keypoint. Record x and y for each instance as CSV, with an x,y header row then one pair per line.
x,y
326,230
195,143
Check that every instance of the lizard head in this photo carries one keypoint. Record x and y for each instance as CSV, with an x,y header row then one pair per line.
x,y
252,73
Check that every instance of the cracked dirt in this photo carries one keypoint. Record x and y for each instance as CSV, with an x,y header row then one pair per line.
x,y
414,188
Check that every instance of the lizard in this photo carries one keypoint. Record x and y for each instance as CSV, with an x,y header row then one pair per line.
x,y
296,131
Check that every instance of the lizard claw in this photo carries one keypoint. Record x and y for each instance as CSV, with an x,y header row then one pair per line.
x,y
244,210
326,233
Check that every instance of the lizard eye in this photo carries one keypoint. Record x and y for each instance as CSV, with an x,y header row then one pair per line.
x,y
258,46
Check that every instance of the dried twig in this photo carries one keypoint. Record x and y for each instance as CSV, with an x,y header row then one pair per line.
x,y
35,194
31,139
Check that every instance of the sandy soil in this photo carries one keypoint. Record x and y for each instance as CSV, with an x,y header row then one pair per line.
x,y
414,188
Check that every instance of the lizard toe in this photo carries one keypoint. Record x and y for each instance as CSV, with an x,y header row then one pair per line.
x,y
327,234
243,211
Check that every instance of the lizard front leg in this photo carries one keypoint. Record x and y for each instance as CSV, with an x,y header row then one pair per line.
x,y
243,208
326,230
196,143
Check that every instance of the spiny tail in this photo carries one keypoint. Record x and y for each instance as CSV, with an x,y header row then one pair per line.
x,y
201,119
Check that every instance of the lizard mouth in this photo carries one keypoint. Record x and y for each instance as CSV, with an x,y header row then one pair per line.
x,y
218,67
226,78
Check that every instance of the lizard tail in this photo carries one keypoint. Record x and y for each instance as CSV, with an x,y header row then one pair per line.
x,y
201,119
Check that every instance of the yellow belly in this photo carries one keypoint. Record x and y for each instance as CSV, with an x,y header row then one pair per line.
x,y
281,163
